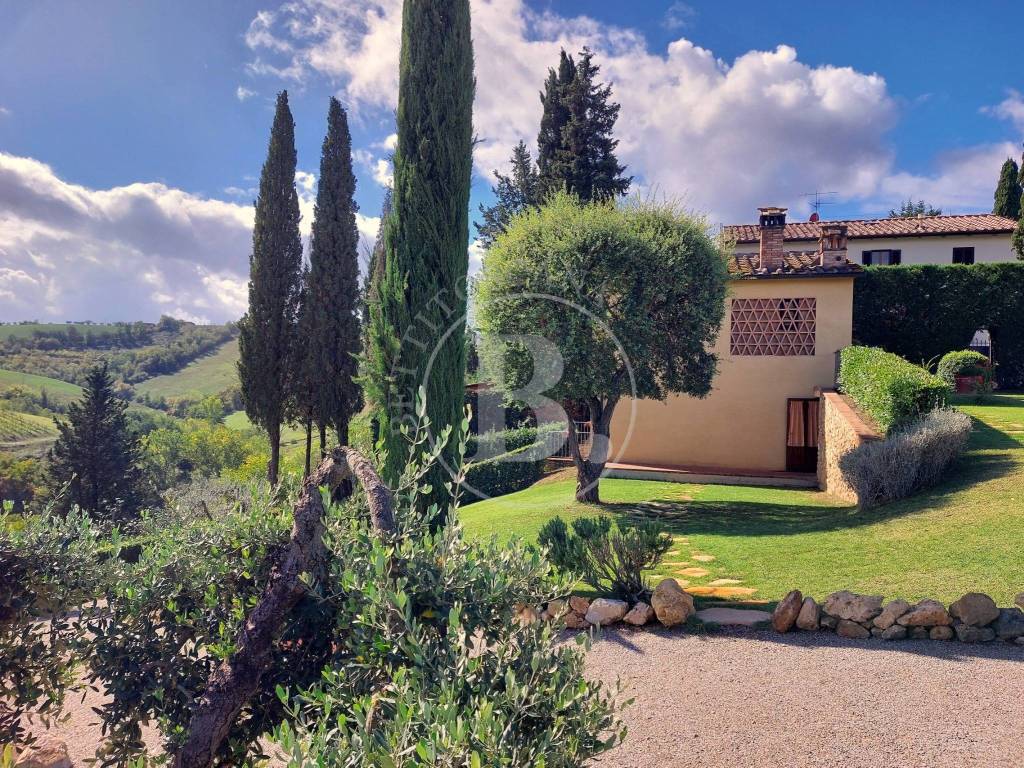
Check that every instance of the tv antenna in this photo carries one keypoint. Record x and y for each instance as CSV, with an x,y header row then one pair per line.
x,y
818,201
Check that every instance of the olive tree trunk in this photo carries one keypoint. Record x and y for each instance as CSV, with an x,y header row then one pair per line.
x,y
589,469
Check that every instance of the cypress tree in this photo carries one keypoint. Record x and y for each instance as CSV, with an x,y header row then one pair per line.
x,y
1007,195
267,331
514,194
96,454
582,160
305,370
1017,239
418,317
334,284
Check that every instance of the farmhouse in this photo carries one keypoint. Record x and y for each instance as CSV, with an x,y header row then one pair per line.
x,y
789,314
967,239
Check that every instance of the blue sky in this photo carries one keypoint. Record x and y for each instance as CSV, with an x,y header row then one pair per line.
x,y
132,133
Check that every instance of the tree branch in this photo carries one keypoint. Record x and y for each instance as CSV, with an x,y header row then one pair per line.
x,y
236,679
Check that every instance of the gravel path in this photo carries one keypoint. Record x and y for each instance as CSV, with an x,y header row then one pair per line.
x,y
762,699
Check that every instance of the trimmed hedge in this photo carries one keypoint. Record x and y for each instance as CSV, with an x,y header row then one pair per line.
x,y
888,388
502,474
962,362
922,312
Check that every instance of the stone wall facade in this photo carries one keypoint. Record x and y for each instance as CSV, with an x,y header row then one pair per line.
x,y
841,428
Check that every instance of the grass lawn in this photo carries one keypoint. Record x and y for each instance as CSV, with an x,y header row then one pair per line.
x,y
26,330
207,375
966,534
59,391
291,436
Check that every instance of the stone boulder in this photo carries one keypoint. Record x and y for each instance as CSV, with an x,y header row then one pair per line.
x,y
852,629
975,609
828,622
786,611
555,609
575,620
919,633
639,614
892,611
47,752
1020,601
966,633
809,618
579,605
853,607
894,632
940,633
927,613
671,604
605,611
527,615
1010,624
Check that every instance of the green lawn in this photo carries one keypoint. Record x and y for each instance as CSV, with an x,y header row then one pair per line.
x,y
291,436
967,534
207,375
59,391
25,331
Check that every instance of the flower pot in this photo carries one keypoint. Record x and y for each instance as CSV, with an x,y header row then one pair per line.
x,y
968,385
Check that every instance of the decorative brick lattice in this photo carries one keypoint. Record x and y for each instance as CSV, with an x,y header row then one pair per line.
x,y
779,327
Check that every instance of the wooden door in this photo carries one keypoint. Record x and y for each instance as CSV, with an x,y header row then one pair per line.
x,y
802,435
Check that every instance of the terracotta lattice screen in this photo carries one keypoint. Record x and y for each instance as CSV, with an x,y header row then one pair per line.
x,y
780,327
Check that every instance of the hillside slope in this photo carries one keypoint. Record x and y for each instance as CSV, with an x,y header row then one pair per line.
x,y
207,375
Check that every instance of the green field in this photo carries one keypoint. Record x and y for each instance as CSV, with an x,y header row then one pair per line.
x,y
24,433
59,391
290,436
25,331
208,375
966,534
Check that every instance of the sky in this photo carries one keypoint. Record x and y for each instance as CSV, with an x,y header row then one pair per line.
x,y
132,133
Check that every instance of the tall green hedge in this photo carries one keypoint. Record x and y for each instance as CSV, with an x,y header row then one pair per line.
x,y
501,475
922,312
889,389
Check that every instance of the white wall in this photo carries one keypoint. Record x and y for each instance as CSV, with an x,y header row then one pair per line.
x,y
935,249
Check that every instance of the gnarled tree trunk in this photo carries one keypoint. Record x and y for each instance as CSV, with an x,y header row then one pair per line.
x,y
589,469
235,680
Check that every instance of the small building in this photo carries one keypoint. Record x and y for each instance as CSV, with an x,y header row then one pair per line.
x,y
789,314
967,239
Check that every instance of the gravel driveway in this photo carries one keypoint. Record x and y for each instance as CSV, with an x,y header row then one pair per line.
x,y
763,699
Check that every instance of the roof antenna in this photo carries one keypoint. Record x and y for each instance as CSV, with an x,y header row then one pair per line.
x,y
818,202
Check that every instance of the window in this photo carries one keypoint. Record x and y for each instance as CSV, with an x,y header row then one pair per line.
x,y
881,258
963,255
772,327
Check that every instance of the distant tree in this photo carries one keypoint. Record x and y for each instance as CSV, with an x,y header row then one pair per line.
x,y
267,332
513,194
333,290
422,293
1007,194
1017,239
909,209
601,257
97,456
579,132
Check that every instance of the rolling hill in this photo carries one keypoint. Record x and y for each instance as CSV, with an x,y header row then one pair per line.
x,y
27,330
24,433
59,391
207,375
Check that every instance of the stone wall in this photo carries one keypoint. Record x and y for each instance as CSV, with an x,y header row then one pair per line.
x,y
841,428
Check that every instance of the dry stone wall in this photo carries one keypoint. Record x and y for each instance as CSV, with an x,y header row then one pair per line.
x,y
841,428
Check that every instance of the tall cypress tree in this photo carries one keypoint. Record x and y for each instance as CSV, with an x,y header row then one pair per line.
x,y
422,291
267,331
514,194
1007,195
576,150
334,283
96,455
305,380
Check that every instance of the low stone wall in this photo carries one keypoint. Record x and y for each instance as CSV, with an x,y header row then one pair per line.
x,y
974,618
841,428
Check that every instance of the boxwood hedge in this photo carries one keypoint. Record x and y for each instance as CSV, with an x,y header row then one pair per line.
x,y
889,389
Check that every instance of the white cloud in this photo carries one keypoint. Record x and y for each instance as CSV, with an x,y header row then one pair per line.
x,y
5,112
679,16
242,93
124,253
1011,108
380,167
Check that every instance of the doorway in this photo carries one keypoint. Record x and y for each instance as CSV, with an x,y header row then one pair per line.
x,y
802,434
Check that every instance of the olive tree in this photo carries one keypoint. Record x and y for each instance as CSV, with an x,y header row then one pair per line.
x,y
632,294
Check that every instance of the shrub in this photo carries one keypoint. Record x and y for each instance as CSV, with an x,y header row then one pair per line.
x,y
965,362
612,561
888,388
405,649
507,473
911,459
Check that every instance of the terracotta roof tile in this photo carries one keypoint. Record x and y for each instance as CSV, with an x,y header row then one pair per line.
x,y
969,224
797,264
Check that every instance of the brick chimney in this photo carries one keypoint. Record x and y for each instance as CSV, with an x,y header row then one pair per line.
x,y
772,222
832,245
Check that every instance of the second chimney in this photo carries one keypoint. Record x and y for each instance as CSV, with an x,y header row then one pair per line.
x,y
773,224
832,245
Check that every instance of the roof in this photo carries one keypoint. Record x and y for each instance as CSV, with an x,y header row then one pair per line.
x,y
968,224
744,266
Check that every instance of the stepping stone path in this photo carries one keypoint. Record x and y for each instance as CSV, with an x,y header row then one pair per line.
x,y
724,593
695,572
724,582
734,616
704,558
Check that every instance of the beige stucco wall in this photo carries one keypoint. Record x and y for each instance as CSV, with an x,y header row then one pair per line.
x,y
841,428
742,423
916,250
